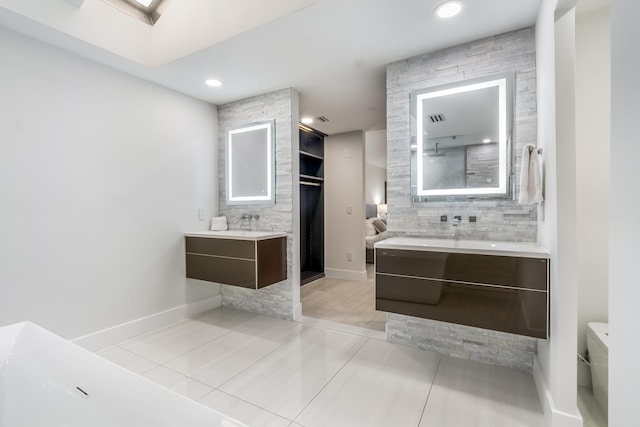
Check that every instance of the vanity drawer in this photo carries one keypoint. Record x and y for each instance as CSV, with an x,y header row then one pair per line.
x,y
221,247
517,272
230,271
516,311
409,289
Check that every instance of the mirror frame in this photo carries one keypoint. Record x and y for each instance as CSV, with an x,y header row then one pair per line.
x,y
506,101
257,199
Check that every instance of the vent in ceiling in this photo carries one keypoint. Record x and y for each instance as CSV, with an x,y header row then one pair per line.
x,y
436,118
322,119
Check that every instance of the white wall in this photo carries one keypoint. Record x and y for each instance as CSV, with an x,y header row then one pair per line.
x,y
593,107
375,157
624,286
343,189
375,177
555,365
100,175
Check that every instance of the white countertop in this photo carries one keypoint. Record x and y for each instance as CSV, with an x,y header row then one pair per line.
x,y
480,247
237,234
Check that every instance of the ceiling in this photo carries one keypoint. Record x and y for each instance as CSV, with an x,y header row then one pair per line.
x,y
334,52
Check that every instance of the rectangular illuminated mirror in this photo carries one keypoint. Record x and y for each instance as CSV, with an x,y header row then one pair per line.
x,y
250,166
461,140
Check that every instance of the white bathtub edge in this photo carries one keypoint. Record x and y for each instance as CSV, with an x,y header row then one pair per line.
x,y
115,334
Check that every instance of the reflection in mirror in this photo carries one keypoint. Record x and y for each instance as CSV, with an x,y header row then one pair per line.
x,y
462,137
250,164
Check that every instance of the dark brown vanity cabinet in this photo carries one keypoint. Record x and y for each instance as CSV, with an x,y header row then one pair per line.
x,y
502,293
251,264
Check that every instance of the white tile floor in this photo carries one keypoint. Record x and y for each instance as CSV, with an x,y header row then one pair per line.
x,y
270,372
592,414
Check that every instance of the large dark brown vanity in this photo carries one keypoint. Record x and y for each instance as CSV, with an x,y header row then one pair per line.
x,y
240,258
497,286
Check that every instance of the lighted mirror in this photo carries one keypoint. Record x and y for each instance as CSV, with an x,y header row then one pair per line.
x,y
250,166
461,140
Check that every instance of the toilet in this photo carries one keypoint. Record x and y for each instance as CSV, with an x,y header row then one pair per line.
x,y
598,347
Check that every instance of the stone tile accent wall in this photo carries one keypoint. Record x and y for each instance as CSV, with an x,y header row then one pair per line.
x,y
503,220
282,106
466,342
481,165
496,219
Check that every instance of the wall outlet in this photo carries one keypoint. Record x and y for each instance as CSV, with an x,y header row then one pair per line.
x,y
349,210
201,214
349,256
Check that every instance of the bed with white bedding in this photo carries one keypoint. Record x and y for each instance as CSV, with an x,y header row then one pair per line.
x,y
375,231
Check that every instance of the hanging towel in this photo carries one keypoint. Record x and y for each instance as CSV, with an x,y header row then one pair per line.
x,y
219,223
530,181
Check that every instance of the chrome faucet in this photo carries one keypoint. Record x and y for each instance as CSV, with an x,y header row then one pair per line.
x,y
457,219
249,218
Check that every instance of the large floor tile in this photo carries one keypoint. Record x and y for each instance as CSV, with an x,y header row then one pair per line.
x,y
350,302
383,385
242,411
592,414
343,327
172,341
467,393
127,359
226,317
222,359
285,381
179,383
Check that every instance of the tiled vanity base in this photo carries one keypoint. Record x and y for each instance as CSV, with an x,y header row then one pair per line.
x,y
271,301
466,342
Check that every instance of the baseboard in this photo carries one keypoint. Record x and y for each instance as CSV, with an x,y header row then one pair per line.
x,y
553,416
334,273
109,336
297,311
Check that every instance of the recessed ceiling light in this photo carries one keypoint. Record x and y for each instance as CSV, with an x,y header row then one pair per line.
x,y
486,140
213,83
145,3
306,120
448,9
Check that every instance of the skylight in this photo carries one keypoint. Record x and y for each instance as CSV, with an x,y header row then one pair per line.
x,y
146,10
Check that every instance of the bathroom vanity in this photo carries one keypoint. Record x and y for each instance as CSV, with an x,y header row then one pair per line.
x,y
249,259
500,286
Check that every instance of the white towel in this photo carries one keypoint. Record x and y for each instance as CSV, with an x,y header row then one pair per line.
x,y
219,223
530,181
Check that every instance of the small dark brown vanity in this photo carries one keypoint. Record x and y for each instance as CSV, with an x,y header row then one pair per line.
x,y
249,259
491,285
